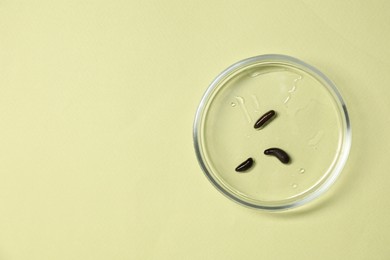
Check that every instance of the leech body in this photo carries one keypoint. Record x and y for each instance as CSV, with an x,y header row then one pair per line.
x,y
264,119
245,165
278,153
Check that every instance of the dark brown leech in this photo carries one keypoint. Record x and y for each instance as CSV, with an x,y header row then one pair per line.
x,y
278,153
264,119
245,165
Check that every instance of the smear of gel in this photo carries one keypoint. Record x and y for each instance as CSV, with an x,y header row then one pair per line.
x,y
311,102
256,102
241,101
316,138
292,90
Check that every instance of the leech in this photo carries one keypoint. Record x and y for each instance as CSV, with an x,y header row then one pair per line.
x,y
246,165
278,153
264,119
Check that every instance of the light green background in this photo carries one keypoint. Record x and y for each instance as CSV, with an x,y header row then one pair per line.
x,y
97,100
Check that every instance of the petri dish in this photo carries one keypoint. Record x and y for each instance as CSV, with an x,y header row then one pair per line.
x,y
311,125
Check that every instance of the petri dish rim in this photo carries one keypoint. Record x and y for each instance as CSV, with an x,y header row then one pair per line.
x,y
275,59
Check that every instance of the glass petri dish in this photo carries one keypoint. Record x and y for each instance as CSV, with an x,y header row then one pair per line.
x,y
311,125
